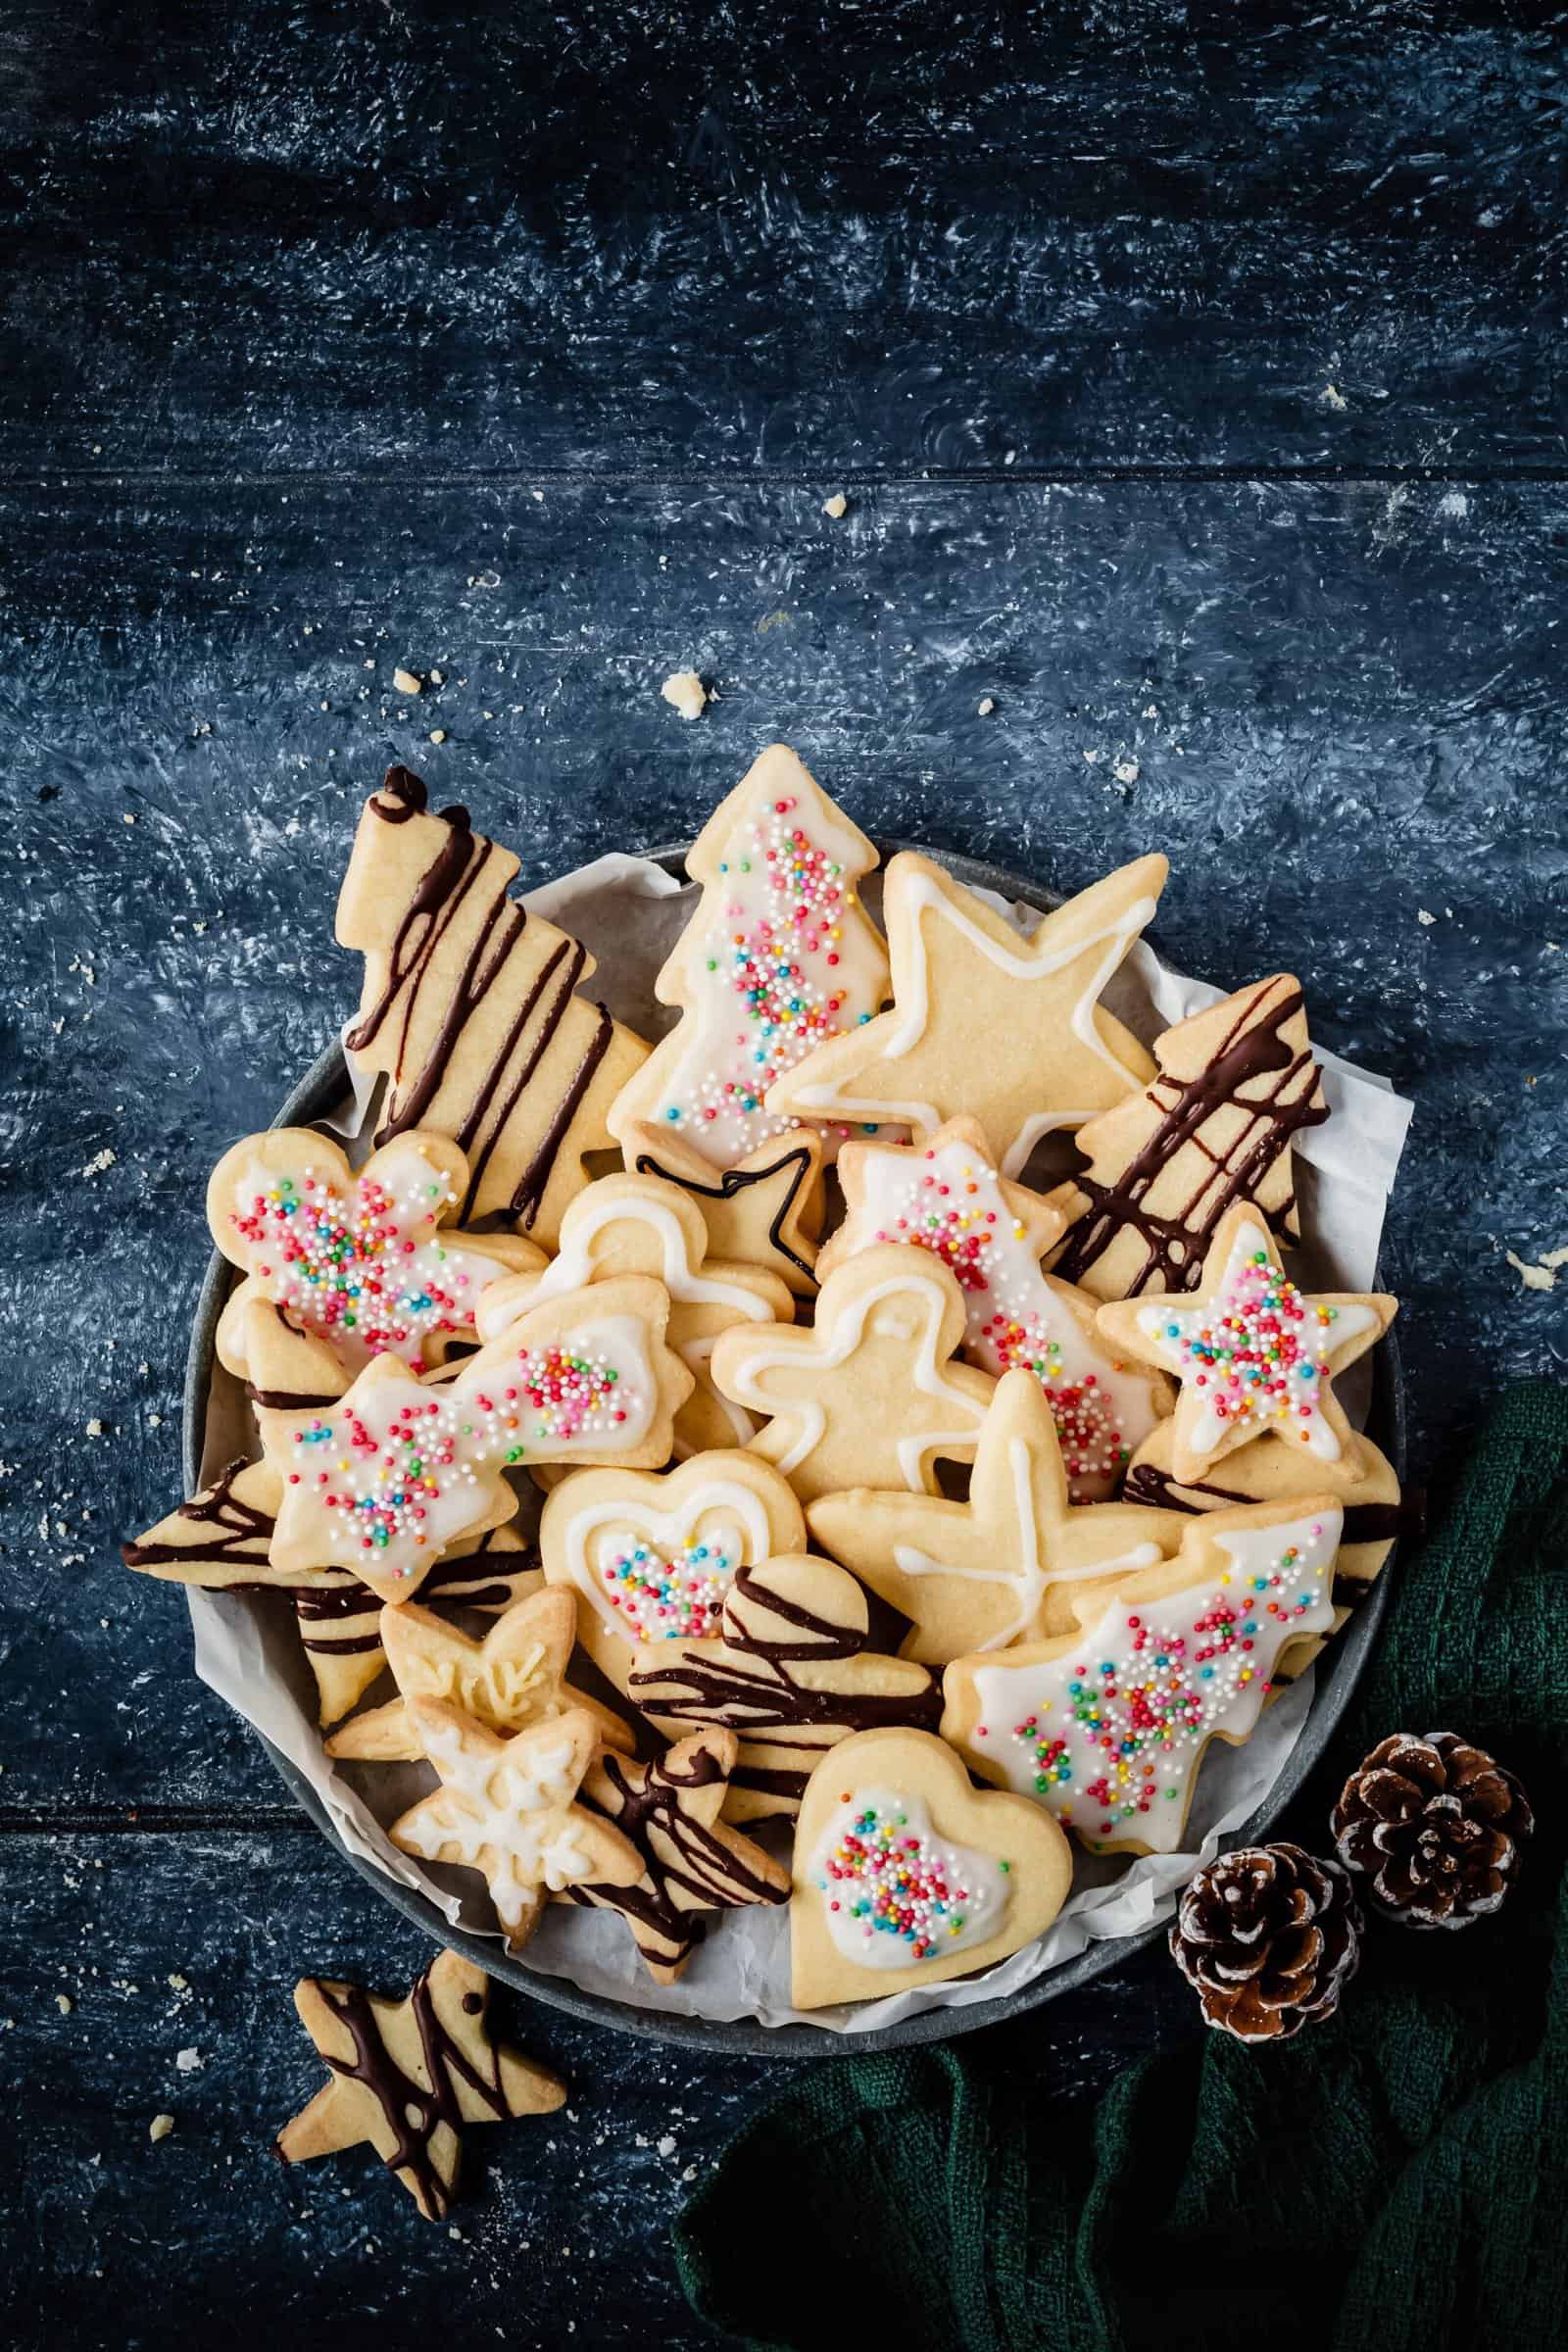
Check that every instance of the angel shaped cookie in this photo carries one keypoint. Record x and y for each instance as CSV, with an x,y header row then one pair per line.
x,y
778,955
1237,1084
1009,1029
945,1196
639,1225
790,1678
1256,1357
1002,1566
470,1008
1107,1726
871,1388
366,1262
508,1808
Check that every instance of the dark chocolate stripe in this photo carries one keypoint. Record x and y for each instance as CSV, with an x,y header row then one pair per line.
x,y
530,1192
238,1525
736,1180
1364,1522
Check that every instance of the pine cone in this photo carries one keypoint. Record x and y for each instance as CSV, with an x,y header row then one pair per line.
x,y
1270,1936
1437,1827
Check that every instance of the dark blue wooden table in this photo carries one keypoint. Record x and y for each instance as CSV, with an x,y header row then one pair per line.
x,y
1194,376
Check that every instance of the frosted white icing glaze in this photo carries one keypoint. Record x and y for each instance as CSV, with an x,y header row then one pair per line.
x,y
778,957
497,1691
649,1574
920,892
1026,1575
521,1817
371,1268
588,1218
950,1202
849,1330
893,1892
1108,1735
1255,1352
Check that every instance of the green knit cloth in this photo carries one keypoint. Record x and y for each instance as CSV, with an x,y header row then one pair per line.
x,y
1397,2176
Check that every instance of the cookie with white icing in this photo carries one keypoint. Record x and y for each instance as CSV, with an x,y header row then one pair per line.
x,y
984,1020
778,955
946,1196
1106,1727
871,1390
367,1261
1001,1566
906,1875
629,1224
1256,1357
471,1012
651,1555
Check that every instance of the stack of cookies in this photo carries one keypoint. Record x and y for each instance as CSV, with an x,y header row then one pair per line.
x,y
811,1466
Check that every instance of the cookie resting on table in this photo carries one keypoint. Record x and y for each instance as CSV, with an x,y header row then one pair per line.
x,y
1106,1727
985,1022
907,1876
407,2074
778,955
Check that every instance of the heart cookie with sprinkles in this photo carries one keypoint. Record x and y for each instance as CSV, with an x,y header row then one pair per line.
x,y
1255,1356
652,1555
904,1875
1106,1727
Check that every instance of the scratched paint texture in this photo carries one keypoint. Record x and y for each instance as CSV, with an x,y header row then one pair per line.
x,y
1196,396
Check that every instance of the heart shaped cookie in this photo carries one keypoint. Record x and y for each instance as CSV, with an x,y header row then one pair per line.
x,y
904,1875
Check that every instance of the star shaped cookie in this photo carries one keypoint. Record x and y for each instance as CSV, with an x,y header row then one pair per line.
x,y
692,1862
871,1388
1255,1356
638,1225
515,1677
767,1210
984,1021
507,1808
1000,1567
407,2074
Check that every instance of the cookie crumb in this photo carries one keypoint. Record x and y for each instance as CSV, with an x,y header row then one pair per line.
x,y
438,734
95,1429
667,2146
838,506
984,706
1332,398
685,690
178,1983
1425,918
160,2128
1542,1274
63,2003
189,2062
1125,772
96,1166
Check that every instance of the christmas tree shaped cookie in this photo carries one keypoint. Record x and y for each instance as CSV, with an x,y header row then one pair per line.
x,y
1255,1356
1236,1085
945,1196
779,955
1009,1029
1106,1727
1002,1566
470,1009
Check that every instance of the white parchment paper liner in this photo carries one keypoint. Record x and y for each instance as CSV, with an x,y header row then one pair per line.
x,y
629,911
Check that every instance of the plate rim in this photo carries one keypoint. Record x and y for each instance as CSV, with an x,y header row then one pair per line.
x,y
324,1083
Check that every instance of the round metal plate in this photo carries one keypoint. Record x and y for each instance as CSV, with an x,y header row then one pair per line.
x,y
1337,1671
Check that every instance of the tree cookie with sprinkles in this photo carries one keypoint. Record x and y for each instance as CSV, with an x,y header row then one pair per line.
x,y
406,2075
1237,1084
984,1021
513,1677
627,1224
1002,1565
652,1555
507,1808
767,1210
906,1875
366,1262
470,1010
399,1471
1255,1356
778,956
1106,1727
693,1863
871,1388
946,1196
